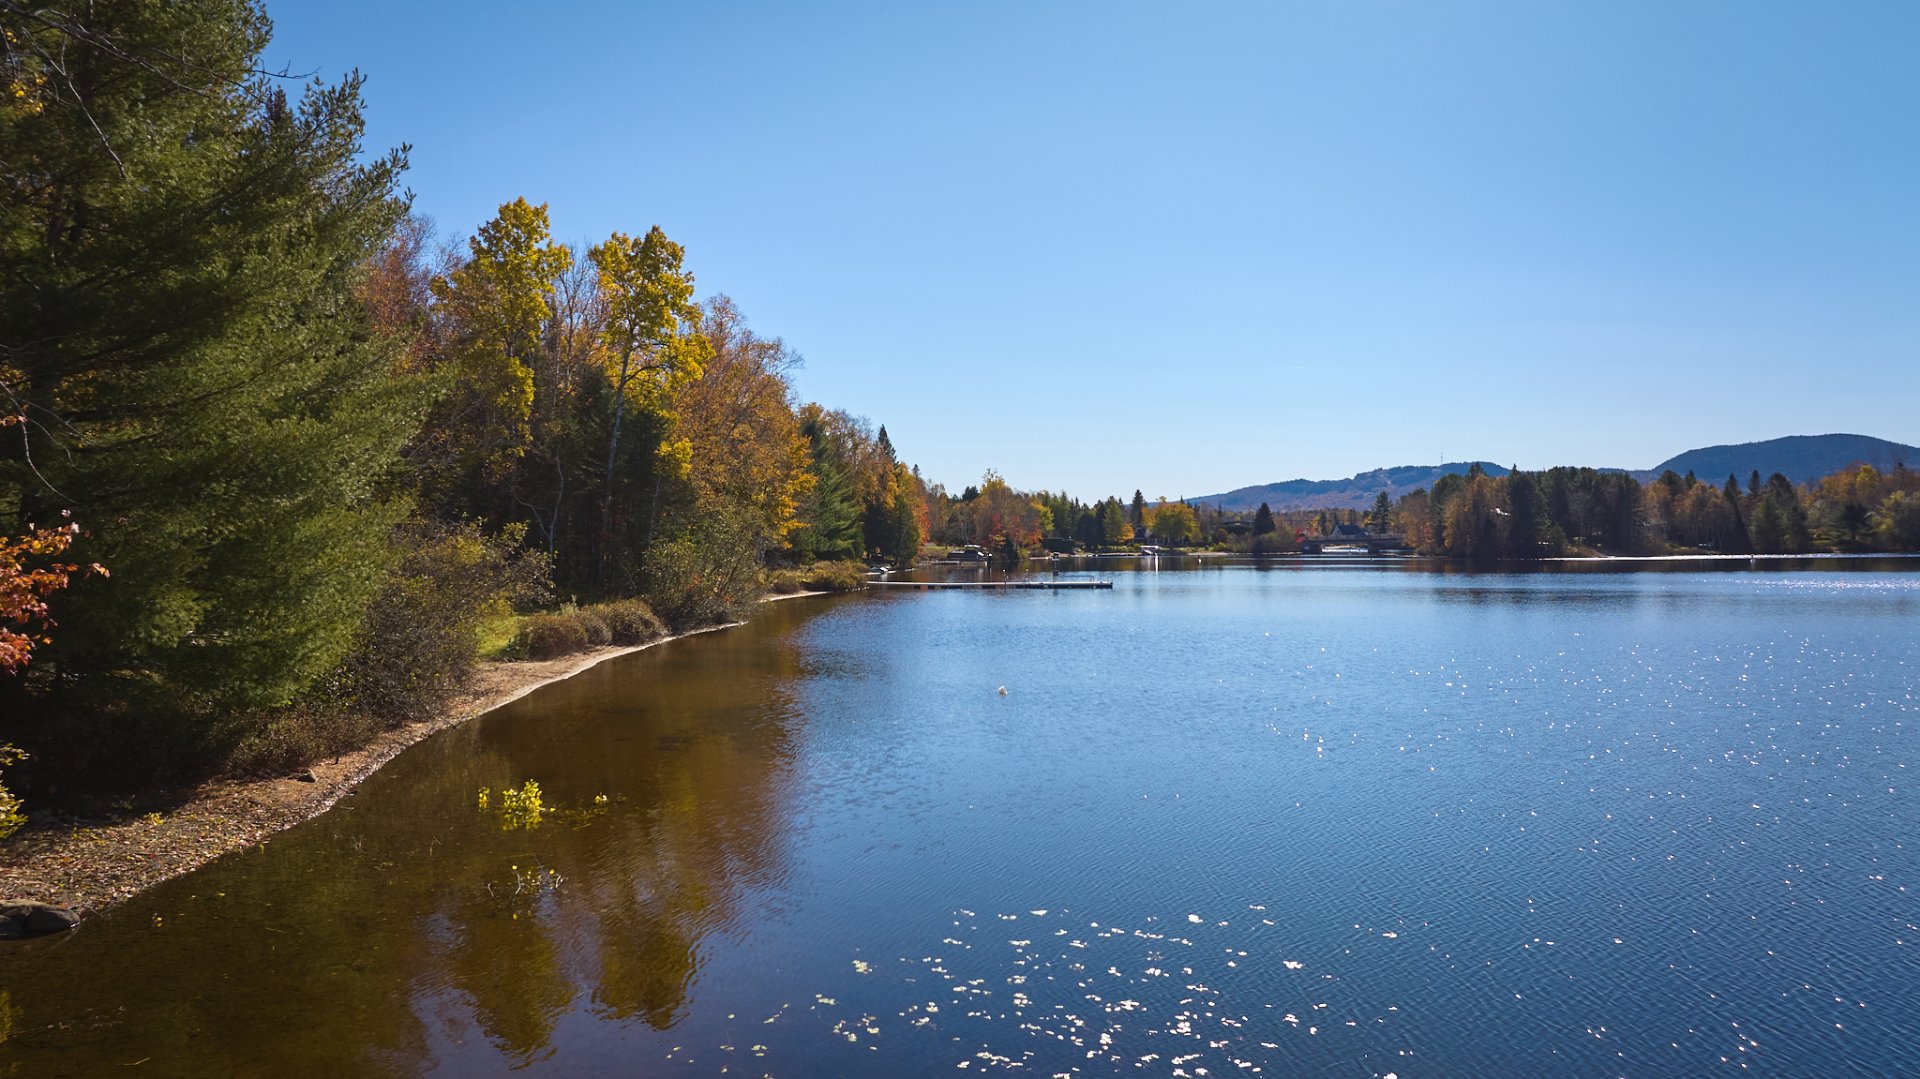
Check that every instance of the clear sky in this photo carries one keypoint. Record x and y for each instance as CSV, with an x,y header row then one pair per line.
x,y
1190,247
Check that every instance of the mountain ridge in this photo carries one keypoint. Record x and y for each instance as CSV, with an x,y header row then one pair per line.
x,y
1801,458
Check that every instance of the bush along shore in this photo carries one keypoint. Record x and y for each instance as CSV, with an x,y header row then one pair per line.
x,y
85,863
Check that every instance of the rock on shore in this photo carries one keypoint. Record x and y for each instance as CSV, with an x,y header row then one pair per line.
x,y
22,919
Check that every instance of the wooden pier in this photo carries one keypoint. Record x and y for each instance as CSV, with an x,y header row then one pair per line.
x,y
1049,585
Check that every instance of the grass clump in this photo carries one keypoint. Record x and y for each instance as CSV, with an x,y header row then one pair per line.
x,y
549,636
818,577
576,629
631,621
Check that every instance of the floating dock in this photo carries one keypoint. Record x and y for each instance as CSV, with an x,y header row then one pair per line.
x,y
990,584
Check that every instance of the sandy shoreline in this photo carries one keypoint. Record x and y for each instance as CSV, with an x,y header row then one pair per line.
x,y
91,865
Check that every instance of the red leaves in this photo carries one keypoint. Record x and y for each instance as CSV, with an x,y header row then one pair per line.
x,y
24,591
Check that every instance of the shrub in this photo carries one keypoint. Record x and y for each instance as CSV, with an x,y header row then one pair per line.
x,y
836,577
599,634
702,579
420,640
290,738
546,636
819,577
1280,542
631,621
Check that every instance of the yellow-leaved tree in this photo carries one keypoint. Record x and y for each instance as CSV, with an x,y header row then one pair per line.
x,y
653,347
496,305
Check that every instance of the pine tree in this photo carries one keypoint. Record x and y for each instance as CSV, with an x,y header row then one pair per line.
x,y
1381,518
179,249
1523,524
1737,540
1263,520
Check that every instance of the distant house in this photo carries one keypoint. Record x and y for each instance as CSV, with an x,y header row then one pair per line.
x,y
1349,531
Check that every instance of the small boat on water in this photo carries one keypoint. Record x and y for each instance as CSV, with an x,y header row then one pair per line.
x,y
1148,550
969,553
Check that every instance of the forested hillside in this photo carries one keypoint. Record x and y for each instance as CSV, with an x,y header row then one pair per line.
x,y
1800,458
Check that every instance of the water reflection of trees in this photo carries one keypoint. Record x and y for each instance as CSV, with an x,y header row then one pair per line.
x,y
367,942
698,779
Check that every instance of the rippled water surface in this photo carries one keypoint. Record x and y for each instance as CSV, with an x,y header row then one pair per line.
x,y
1380,819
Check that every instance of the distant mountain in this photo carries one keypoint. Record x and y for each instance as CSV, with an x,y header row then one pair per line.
x,y
1801,458
1357,492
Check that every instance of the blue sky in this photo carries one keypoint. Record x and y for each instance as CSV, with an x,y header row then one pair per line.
x,y
1189,247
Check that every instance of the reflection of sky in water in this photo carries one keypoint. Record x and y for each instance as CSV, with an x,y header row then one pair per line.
x,y
1329,822
1508,823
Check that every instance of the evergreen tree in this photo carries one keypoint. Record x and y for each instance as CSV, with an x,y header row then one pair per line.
x,y
179,250
1382,516
1769,530
1263,520
1737,540
1523,524
1087,529
830,516
1137,513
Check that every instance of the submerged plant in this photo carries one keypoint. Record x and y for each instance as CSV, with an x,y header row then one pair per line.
x,y
526,807
521,808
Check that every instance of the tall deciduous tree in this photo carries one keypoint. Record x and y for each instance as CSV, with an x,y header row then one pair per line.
x,y
497,304
1174,523
653,343
1114,526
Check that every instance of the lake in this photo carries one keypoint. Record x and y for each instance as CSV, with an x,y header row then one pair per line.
x,y
1371,818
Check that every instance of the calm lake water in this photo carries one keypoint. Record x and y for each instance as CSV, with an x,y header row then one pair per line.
x,y
1376,819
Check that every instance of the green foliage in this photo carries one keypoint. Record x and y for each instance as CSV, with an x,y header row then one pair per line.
x,y
631,621
1380,518
1279,541
709,569
830,514
12,817
420,638
1897,521
417,645
179,283
1263,519
1173,523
